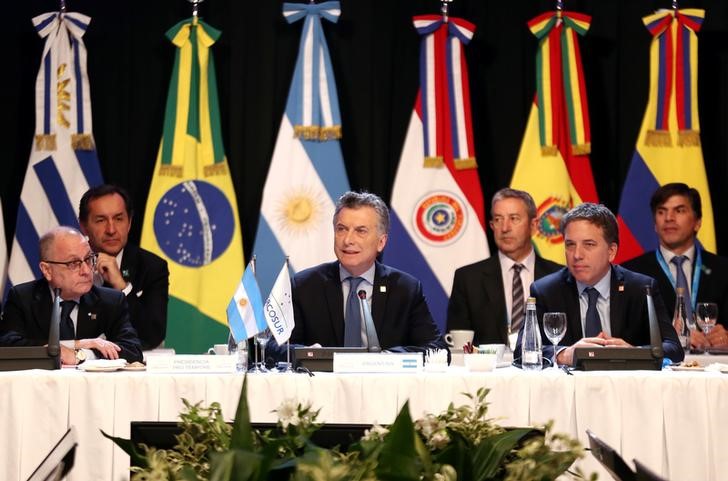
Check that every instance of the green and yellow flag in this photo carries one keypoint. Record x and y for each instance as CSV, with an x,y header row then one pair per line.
x,y
191,218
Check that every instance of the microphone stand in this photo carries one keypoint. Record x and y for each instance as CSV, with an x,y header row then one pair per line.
x,y
372,338
54,333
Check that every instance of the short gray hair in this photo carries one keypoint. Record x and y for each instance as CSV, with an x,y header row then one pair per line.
x,y
355,200
596,214
508,193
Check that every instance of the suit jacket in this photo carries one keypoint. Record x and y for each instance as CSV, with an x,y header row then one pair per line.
x,y
713,285
478,299
27,314
401,316
147,300
557,292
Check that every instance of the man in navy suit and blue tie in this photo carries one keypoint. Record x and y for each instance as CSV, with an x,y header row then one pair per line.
x,y
605,304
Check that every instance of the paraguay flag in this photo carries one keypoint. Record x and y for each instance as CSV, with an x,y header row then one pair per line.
x,y
307,173
438,218
191,217
553,163
668,147
63,162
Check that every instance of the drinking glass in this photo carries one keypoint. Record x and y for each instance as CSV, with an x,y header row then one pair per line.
x,y
706,315
262,340
554,325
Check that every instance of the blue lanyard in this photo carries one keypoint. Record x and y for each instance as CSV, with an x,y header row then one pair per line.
x,y
696,273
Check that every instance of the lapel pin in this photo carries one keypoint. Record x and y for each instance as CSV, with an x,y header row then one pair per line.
x,y
92,316
621,288
382,288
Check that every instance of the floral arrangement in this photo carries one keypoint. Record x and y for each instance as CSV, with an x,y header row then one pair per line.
x,y
461,443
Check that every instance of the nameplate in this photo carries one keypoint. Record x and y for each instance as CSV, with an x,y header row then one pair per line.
x,y
377,362
191,363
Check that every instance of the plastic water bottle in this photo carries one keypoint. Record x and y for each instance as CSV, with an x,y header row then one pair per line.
x,y
242,362
531,343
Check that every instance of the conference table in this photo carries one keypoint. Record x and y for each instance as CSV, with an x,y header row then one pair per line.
x,y
674,422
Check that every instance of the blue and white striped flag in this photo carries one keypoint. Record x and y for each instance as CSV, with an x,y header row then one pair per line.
x,y
63,162
307,172
245,311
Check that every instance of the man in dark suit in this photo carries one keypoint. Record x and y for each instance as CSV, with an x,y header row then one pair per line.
x,y
94,320
105,215
486,295
324,311
677,211
605,304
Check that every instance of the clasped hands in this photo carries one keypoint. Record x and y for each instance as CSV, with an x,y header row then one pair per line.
x,y
566,355
107,349
717,337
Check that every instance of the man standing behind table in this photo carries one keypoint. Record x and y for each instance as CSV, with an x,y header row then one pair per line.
x,y
489,296
325,306
677,211
605,304
105,214
94,320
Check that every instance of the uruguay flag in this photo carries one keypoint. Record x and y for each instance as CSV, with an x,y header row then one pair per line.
x,y
307,173
668,147
438,218
63,162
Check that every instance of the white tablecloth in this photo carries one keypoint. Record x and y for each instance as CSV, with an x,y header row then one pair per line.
x,y
674,422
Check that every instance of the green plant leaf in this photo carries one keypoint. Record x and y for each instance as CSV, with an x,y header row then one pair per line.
x,y
242,435
488,456
237,465
187,474
135,457
398,459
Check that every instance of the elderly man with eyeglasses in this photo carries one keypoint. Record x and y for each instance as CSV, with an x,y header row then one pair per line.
x,y
94,320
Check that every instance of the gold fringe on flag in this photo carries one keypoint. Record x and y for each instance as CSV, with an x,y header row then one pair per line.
x,y
549,150
45,141
171,170
658,138
434,162
581,149
82,142
688,138
215,169
466,163
330,133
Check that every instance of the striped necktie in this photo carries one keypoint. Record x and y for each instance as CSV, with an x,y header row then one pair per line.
x,y
517,306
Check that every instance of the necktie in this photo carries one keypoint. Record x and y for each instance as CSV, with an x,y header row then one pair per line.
x,y
682,281
593,323
517,296
67,330
352,319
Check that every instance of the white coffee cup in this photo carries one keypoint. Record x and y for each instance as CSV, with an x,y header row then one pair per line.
x,y
219,349
497,349
459,337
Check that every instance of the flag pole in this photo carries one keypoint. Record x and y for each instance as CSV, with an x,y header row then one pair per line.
x,y
444,9
289,367
195,8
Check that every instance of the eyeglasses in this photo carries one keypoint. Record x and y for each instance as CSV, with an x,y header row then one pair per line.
x,y
89,260
513,218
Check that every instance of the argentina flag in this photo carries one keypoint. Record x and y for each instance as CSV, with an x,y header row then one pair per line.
x,y
307,172
245,310
63,162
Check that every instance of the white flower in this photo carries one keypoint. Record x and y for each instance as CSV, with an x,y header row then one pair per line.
x,y
376,433
439,440
288,413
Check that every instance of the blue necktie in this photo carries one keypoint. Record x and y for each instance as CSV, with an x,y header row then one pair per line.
x,y
682,281
593,323
66,328
352,320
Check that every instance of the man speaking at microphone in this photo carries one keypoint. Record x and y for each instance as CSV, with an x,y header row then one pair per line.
x,y
326,306
94,320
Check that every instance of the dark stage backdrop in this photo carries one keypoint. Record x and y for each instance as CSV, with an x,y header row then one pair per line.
x,y
374,50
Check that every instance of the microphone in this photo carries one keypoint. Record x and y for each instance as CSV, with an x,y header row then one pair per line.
x,y
655,337
372,338
54,344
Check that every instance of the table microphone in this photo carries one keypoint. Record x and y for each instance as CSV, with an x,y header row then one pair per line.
x,y
54,335
372,339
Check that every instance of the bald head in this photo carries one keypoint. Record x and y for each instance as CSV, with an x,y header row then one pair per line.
x,y
48,240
